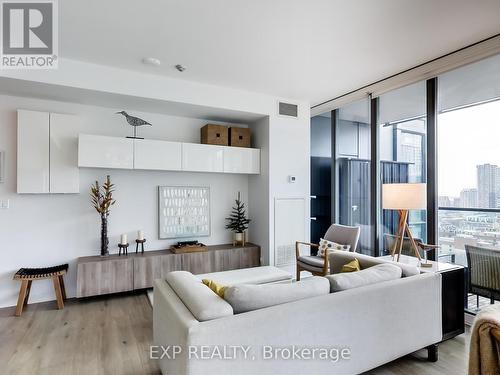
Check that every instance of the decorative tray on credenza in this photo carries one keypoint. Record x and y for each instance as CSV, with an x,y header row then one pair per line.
x,y
188,247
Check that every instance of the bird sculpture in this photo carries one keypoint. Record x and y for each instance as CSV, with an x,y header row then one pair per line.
x,y
134,122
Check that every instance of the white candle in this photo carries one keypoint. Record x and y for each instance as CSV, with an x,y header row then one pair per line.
x,y
140,235
123,240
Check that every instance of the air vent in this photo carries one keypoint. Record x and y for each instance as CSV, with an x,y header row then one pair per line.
x,y
287,109
285,255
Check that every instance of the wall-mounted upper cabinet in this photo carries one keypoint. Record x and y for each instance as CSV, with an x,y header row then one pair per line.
x,y
33,145
202,158
99,151
64,172
95,151
157,155
241,160
46,153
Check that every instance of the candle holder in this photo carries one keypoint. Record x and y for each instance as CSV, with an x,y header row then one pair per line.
x,y
123,247
137,242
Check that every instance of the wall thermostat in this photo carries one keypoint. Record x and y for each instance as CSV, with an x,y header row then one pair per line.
x,y
292,179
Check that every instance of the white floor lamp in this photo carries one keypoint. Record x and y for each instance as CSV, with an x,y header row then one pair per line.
x,y
402,198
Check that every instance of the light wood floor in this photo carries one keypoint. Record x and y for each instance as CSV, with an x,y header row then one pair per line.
x,y
112,336
93,336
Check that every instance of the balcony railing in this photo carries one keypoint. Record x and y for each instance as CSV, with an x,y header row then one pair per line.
x,y
460,226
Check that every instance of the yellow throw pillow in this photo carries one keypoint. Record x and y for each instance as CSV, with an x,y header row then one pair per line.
x,y
216,287
352,266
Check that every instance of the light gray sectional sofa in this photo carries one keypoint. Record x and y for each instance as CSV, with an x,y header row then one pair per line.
x,y
349,331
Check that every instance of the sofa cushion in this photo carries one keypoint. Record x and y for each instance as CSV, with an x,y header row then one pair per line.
x,y
203,303
372,275
245,298
339,258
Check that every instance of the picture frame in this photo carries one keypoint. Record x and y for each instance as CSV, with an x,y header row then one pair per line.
x,y
183,212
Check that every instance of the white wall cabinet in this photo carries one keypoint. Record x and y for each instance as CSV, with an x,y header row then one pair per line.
x,y
241,160
33,152
157,155
202,158
95,151
46,153
99,151
64,172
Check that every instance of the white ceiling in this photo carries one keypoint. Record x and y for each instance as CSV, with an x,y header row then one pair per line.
x,y
312,50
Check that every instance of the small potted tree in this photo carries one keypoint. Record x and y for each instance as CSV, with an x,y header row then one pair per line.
x,y
238,222
102,200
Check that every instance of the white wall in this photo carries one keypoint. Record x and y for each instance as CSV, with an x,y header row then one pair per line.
x,y
43,230
289,155
258,191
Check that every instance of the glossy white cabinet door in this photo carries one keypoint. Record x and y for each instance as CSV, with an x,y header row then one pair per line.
x,y
202,158
64,173
241,160
32,152
157,155
97,151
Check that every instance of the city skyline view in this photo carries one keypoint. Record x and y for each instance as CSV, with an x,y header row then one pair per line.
x,y
467,138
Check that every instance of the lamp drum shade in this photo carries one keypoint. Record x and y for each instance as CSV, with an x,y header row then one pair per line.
x,y
404,196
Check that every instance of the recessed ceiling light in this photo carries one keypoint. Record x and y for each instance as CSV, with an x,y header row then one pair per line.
x,y
151,61
180,68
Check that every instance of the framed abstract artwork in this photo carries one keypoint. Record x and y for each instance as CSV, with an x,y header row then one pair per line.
x,y
183,211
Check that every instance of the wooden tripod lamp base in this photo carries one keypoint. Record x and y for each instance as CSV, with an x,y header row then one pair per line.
x,y
403,229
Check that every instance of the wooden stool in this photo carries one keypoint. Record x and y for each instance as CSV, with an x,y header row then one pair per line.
x,y
27,275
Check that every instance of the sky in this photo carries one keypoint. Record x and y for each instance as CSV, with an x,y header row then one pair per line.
x,y
466,138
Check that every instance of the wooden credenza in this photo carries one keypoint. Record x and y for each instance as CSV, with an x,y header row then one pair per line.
x,y
113,274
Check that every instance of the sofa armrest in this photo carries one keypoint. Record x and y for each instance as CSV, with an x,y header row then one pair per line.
x,y
172,322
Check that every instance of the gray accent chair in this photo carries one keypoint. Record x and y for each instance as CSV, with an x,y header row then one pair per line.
x,y
483,272
423,247
319,266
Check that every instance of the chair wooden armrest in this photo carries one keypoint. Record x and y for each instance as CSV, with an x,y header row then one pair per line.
x,y
428,246
496,333
297,246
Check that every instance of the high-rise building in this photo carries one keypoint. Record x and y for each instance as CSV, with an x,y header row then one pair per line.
x,y
468,198
446,201
487,186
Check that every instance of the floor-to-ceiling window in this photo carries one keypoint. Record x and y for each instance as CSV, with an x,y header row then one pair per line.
x,y
402,123
469,158
469,169
464,132
352,148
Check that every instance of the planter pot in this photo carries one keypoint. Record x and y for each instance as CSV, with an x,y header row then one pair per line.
x,y
239,239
